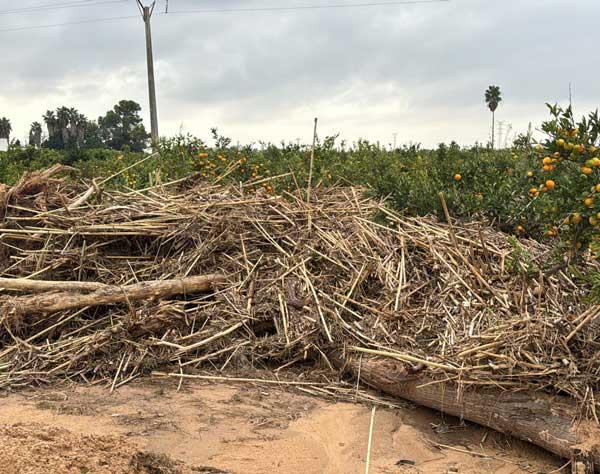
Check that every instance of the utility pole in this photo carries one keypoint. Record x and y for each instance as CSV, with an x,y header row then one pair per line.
x,y
395,138
500,131
146,16
507,136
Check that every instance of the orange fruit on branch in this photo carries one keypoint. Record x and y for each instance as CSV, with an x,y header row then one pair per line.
x,y
586,170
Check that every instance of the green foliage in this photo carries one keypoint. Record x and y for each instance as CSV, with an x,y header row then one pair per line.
x,y
17,161
69,130
519,261
66,129
5,128
35,134
538,192
588,279
569,160
492,183
122,126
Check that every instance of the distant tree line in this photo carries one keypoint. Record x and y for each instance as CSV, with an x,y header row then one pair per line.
x,y
67,129
5,129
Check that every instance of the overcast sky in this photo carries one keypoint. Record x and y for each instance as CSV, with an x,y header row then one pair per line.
x,y
416,70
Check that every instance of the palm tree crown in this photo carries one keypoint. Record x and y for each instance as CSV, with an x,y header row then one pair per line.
x,y
493,97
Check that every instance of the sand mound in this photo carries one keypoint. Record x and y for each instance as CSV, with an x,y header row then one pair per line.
x,y
39,449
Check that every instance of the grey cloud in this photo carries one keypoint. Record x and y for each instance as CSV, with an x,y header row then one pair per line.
x,y
382,63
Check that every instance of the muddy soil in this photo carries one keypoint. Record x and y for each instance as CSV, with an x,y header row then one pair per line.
x,y
242,429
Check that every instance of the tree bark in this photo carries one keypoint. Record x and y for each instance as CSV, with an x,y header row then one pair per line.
x,y
61,301
546,421
493,127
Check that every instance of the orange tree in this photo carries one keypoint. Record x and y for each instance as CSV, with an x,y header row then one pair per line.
x,y
565,186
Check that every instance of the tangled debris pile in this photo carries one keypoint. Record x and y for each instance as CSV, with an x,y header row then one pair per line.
x,y
283,282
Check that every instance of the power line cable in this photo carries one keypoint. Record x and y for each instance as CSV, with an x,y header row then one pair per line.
x,y
68,23
58,6
228,10
307,7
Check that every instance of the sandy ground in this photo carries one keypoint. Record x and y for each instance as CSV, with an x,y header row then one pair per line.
x,y
243,429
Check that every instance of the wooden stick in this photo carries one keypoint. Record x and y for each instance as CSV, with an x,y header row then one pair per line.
x,y
587,319
54,302
24,284
310,173
217,378
118,173
370,442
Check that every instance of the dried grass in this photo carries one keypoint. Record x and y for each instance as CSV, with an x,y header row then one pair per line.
x,y
341,272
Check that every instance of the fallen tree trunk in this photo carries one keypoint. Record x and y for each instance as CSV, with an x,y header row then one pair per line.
x,y
54,302
546,421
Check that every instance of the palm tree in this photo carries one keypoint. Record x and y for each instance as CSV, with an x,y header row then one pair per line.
x,y
51,123
5,129
493,98
35,134
63,115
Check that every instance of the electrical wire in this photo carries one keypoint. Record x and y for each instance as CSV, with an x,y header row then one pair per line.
x,y
80,22
229,10
58,6
307,7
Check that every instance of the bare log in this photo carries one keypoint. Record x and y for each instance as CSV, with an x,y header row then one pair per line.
x,y
551,422
54,302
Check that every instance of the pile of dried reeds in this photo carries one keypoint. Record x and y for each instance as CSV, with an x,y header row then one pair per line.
x,y
283,282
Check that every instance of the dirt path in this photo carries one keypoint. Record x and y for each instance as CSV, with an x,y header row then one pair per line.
x,y
239,429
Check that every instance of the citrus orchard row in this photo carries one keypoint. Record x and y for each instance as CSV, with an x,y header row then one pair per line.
x,y
548,190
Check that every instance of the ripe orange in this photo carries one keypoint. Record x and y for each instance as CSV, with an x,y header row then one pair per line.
x,y
598,188
547,160
520,229
595,162
529,174
588,201
533,192
586,170
550,184
457,177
